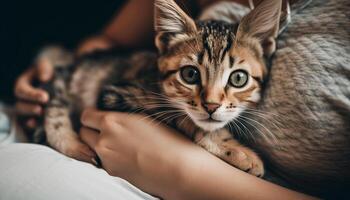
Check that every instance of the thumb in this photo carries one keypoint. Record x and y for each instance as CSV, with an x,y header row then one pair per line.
x,y
45,70
89,136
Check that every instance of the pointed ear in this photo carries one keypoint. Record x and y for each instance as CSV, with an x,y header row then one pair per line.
x,y
170,22
262,23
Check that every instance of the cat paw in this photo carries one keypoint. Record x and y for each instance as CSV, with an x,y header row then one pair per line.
x,y
244,159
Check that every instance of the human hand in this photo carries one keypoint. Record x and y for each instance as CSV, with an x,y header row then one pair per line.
x,y
161,162
132,147
93,43
30,99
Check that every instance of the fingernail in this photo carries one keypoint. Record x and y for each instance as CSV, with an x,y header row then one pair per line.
x,y
45,77
93,160
44,98
38,110
31,123
92,154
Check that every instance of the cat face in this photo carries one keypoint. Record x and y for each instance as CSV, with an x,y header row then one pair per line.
x,y
211,71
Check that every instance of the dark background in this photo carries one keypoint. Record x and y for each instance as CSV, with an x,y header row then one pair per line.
x,y
28,25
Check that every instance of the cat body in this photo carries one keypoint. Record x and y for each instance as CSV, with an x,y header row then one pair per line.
x,y
206,73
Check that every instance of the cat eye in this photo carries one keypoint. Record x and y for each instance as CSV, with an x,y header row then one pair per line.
x,y
238,78
190,74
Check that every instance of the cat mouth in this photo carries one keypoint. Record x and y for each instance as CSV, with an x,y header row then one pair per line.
x,y
210,119
206,121
210,124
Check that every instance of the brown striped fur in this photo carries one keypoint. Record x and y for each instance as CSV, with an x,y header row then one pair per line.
x,y
202,110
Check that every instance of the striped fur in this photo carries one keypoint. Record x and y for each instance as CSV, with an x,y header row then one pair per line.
x,y
154,85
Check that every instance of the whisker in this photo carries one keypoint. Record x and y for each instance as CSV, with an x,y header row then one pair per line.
x,y
268,131
158,113
237,130
183,120
263,116
259,132
246,128
271,121
260,111
175,116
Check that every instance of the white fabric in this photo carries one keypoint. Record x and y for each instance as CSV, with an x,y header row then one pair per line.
x,y
36,172
10,131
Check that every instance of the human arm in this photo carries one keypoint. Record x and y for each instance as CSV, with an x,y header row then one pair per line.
x,y
162,162
30,99
131,27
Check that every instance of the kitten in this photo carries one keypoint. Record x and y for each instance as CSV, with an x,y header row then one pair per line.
x,y
205,75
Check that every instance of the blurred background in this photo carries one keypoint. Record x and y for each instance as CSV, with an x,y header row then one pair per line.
x,y
26,26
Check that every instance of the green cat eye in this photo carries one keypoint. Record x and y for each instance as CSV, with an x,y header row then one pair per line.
x,y
190,74
238,78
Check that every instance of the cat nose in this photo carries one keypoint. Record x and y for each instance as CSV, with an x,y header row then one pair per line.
x,y
211,107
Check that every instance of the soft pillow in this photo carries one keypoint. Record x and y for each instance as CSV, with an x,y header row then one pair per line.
x,y
306,105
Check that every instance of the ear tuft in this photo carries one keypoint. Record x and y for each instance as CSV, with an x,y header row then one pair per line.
x,y
262,23
170,20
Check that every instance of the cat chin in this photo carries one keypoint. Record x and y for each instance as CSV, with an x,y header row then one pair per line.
x,y
209,126
206,124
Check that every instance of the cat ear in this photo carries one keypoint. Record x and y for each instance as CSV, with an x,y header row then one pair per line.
x,y
262,23
171,24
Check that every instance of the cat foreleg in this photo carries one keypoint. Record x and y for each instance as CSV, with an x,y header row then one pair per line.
x,y
224,146
127,97
61,136
57,122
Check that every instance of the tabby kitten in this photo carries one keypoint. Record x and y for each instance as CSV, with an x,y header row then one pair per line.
x,y
205,75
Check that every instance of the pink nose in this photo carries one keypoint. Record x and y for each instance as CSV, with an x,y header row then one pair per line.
x,y
211,107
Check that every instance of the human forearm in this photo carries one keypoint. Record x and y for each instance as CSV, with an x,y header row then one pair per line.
x,y
161,162
133,26
203,176
206,177
186,171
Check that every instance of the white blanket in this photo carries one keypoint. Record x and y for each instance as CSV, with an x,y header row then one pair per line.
x,y
36,172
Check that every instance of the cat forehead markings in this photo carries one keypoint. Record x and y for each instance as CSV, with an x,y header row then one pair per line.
x,y
217,38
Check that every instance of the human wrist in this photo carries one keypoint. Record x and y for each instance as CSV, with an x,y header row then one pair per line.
x,y
187,169
107,38
163,169
165,178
